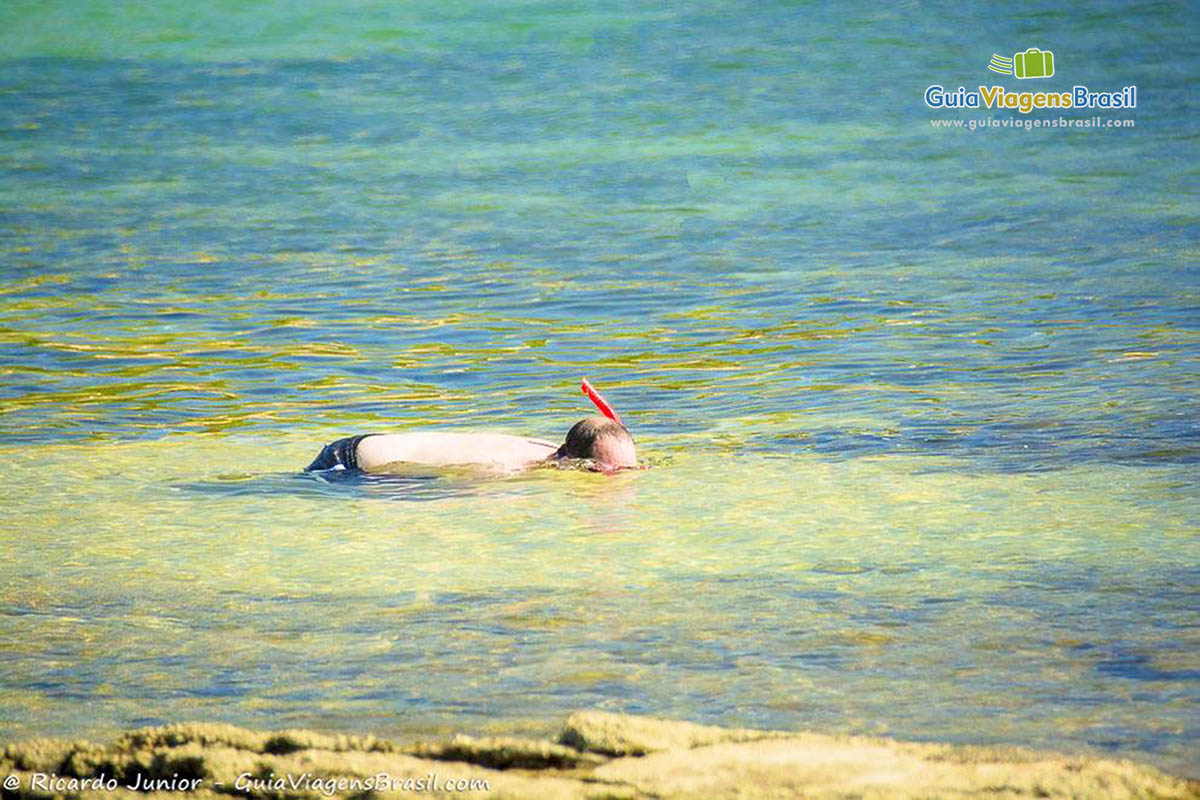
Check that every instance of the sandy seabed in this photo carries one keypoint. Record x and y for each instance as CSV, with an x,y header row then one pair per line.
x,y
597,755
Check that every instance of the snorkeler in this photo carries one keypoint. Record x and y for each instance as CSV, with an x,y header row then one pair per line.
x,y
603,441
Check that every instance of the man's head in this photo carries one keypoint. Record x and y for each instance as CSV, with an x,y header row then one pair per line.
x,y
604,441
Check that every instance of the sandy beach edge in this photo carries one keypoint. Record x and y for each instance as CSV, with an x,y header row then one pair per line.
x,y
598,756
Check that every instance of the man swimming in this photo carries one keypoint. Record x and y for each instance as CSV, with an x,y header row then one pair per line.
x,y
605,442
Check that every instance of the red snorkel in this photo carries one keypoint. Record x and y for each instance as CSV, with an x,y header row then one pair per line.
x,y
600,402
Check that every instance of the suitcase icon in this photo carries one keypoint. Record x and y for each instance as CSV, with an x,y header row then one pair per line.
x,y
1033,63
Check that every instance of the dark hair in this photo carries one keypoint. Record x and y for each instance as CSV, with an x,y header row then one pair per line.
x,y
582,438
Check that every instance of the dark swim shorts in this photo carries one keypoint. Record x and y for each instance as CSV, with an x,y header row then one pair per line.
x,y
341,454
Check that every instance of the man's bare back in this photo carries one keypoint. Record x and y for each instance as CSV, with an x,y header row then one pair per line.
x,y
443,449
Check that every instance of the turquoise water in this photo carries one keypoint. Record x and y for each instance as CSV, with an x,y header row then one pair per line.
x,y
921,404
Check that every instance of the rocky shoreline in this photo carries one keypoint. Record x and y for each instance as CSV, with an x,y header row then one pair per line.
x,y
598,756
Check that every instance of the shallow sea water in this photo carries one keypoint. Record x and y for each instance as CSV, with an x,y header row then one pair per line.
x,y
920,405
